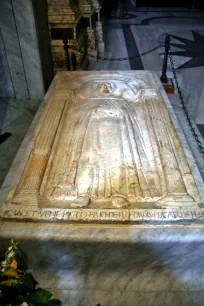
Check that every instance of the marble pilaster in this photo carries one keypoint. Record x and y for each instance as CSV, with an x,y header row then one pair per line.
x,y
26,28
13,50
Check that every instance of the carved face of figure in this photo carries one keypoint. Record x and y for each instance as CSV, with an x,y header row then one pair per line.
x,y
105,88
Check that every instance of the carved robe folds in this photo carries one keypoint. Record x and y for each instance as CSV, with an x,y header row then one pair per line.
x,y
106,141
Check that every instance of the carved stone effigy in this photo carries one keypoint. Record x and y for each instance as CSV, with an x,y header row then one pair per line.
x,y
106,148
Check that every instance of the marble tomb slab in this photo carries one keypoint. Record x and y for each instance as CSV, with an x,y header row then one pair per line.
x,y
105,147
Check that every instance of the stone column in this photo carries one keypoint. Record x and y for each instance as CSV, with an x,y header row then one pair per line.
x,y
99,32
90,23
44,37
75,33
91,36
20,32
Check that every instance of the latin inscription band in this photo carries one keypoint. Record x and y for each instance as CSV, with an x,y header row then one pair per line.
x,y
101,215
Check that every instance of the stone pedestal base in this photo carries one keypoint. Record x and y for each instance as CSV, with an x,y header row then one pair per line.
x,y
169,87
101,47
114,266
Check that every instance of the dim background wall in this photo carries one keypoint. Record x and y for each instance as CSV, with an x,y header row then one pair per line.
x,y
25,62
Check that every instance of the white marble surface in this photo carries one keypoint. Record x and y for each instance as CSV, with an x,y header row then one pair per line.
x,y
8,114
189,136
113,266
13,51
129,298
15,118
199,113
11,109
188,211
26,28
17,25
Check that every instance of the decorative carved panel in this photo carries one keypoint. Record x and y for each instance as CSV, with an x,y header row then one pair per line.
x,y
106,141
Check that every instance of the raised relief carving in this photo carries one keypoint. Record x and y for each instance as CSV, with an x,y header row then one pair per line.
x,y
106,141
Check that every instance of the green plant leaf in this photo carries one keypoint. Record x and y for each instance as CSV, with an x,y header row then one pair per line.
x,y
17,286
27,281
5,291
20,298
10,272
39,296
10,283
33,280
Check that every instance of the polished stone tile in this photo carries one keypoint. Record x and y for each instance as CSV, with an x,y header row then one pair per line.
x,y
146,33
8,115
199,112
188,133
9,148
181,20
201,129
152,61
192,91
11,109
135,63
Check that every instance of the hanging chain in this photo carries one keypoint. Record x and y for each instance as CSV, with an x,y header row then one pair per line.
x,y
185,109
128,58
